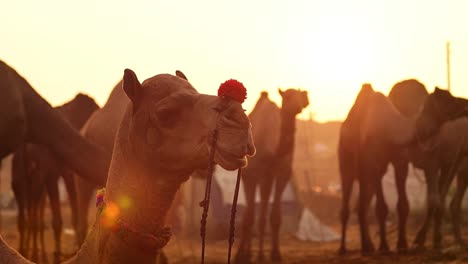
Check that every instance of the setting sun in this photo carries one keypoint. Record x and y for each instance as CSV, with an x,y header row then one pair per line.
x,y
326,47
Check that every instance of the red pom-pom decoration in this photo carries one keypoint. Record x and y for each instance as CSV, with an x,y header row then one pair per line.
x,y
234,90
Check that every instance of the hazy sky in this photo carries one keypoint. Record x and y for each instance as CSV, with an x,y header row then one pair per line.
x,y
327,47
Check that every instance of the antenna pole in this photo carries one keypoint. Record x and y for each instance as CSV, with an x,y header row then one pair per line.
x,y
447,46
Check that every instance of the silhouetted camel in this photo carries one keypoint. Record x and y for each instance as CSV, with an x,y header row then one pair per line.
x,y
27,117
273,131
41,174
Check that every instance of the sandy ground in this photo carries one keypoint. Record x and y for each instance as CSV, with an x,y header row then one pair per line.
x,y
294,251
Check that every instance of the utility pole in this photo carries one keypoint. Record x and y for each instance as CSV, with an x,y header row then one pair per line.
x,y
447,47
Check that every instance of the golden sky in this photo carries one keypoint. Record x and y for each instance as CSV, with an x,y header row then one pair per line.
x,y
327,47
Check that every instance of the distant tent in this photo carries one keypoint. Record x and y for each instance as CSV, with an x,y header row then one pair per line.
x,y
312,229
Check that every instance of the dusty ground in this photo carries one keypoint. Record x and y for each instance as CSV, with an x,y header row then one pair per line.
x,y
294,251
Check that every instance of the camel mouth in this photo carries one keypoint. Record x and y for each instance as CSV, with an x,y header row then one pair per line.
x,y
230,161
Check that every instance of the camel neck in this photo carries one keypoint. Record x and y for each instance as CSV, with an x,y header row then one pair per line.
x,y
130,195
47,127
287,132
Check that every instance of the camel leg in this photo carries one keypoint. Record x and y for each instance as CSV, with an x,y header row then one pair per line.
x,y
365,197
432,199
69,181
275,218
57,224
19,192
347,180
18,185
35,226
455,207
42,229
266,185
446,177
244,250
381,210
401,174
84,191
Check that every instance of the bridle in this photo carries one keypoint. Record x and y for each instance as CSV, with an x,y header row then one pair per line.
x,y
205,203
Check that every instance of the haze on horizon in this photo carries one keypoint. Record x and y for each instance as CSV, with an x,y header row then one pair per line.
x,y
326,47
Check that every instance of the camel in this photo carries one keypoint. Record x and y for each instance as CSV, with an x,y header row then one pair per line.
x,y
445,159
273,132
443,110
27,117
348,151
374,134
153,155
385,133
42,175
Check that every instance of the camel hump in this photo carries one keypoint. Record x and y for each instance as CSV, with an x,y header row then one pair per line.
x,y
84,99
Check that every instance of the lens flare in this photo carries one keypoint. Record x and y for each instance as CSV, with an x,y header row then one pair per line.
x,y
110,215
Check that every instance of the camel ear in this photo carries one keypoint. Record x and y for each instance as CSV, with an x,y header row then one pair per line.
x,y
280,92
132,88
181,75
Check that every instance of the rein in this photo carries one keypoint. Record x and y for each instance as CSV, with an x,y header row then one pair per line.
x,y
205,203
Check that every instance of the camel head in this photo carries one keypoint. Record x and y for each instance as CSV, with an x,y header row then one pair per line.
x,y
439,107
170,125
294,101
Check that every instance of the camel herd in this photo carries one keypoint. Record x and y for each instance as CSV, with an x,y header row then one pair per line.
x,y
137,146
407,126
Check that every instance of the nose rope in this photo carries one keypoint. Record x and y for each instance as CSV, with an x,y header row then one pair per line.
x,y
205,204
232,224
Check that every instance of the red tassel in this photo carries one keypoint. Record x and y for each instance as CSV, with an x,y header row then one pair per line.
x,y
234,90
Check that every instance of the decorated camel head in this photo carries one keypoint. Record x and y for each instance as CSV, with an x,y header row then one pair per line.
x,y
171,122
164,136
439,107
